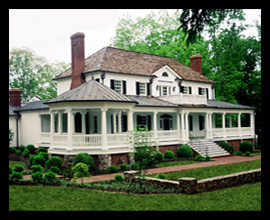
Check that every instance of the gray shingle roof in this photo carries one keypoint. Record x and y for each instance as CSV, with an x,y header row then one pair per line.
x,y
147,101
12,110
221,104
91,91
130,62
37,105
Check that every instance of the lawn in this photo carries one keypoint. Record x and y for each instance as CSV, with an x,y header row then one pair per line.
x,y
176,163
40,198
208,172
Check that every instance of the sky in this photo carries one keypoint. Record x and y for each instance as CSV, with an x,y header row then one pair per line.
x,y
48,31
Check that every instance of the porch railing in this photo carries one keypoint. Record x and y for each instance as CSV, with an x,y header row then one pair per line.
x,y
87,140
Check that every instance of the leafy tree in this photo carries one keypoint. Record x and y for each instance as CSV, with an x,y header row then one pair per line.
x,y
80,170
11,135
33,74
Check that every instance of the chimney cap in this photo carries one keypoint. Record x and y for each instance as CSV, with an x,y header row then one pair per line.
x,y
14,90
196,56
77,35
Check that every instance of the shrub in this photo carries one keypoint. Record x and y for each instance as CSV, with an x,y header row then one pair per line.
x,y
41,149
13,150
118,177
37,168
86,159
169,154
159,157
16,176
247,153
39,160
45,155
134,166
238,153
55,169
31,148
50,177
199,157
10,169
18,168
53,161
18,152
11,136
31,158
80,170
207,158
185,151
124,167
161,176
37,177
112,169
26,152
226,146
21,147
246,146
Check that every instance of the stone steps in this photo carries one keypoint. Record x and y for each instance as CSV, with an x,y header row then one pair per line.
x,y
206,147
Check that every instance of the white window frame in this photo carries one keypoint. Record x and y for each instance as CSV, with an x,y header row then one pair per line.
x,y
142,88
118,86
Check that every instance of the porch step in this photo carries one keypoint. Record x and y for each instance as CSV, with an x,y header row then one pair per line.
x,y
207,147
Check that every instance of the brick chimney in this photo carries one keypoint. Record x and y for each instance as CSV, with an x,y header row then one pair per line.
x,y
77,59
15,97
196,63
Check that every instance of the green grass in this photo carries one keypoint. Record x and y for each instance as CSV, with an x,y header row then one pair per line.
x,y
14,163
208,172
40,198
176,163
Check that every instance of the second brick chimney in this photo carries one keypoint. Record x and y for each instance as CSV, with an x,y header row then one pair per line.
x,y
77,59
15,97
196,63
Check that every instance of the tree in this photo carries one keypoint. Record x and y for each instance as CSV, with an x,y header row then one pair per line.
x,y
80,170
33,74
194,21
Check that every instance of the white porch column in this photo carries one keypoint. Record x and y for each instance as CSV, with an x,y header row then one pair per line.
x,y
155,124
52,128
104,128
187,127
210,125
60,119
206,119
224,124
119,122
130,120
239,123
83,122
178,125
182,126
70,129
114,122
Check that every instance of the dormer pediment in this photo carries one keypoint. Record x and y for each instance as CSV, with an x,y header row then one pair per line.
x,y
165,73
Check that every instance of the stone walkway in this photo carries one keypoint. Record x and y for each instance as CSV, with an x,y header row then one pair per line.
x,y
217,161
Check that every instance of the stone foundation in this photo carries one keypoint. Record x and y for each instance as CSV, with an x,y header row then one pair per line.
x,y
105,160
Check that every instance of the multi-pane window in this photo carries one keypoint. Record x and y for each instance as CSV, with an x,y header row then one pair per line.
x,y
164,90
64,122
118,86
186,89
45,123
201,91
142,87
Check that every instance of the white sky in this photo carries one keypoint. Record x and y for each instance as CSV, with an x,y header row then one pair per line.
x,y
48,31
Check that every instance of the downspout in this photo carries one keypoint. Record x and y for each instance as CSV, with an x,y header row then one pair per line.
x,y
17,131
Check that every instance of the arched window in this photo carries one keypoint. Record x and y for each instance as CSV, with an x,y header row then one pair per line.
x,y
165,74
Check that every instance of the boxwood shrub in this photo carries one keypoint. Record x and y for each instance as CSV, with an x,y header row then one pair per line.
x,y
118,177
246,146
112,169
41,149
31,148
37,168
38,160
18,168
169,154
159,157
50,177
185,151
37,177
16,176
53,161
86,159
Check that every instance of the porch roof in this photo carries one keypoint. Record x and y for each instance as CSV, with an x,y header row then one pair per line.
x,y
91,91
221,104
147,101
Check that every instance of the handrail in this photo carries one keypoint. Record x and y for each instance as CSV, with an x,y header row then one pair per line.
x,y
200,145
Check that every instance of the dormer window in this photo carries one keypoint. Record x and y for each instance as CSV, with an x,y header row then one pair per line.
x,y
164,74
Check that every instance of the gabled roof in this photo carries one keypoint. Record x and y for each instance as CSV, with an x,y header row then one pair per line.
x,y
116,60
91,91
147,101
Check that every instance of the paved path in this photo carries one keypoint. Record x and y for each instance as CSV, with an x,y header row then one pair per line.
x,y
217,161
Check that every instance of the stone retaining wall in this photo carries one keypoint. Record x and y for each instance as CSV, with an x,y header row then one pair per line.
x,y
192,185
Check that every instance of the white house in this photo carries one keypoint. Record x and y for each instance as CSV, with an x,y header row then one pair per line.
x,y
114,90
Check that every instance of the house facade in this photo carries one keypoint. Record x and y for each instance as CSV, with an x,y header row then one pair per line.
x,y
113,91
